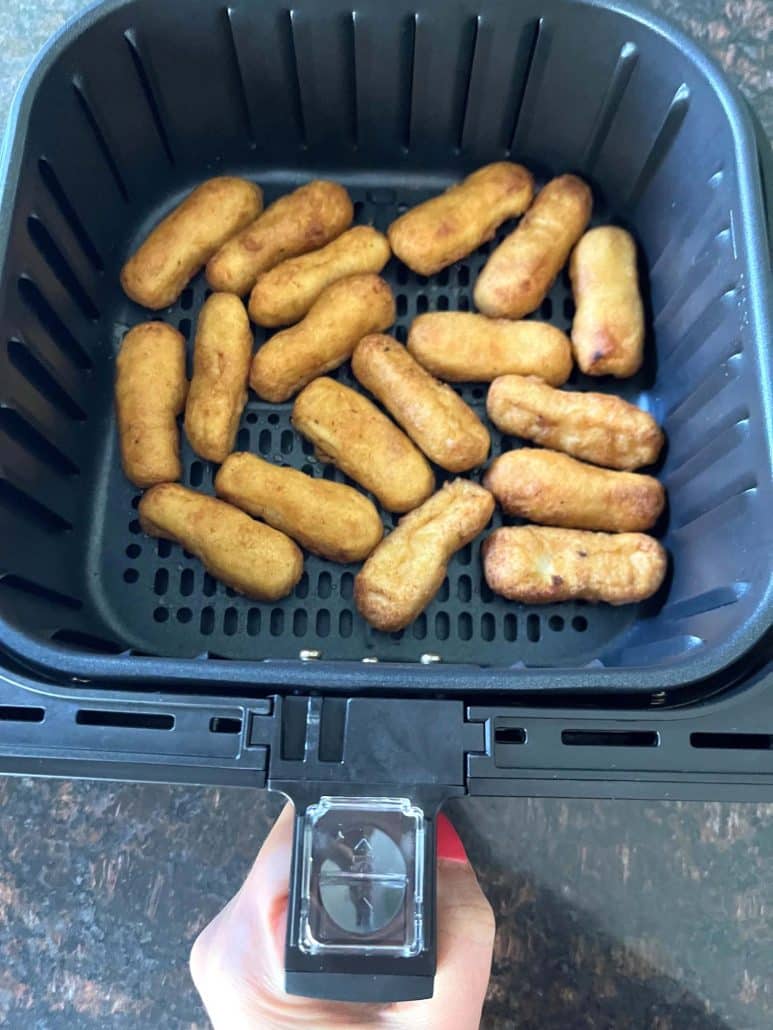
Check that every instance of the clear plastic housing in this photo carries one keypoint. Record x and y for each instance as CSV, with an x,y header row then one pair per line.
x,y
363,871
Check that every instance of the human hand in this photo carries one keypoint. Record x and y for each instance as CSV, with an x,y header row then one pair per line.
x,y
237,960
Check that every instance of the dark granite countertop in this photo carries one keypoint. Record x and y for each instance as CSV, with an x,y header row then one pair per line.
x,y
610,914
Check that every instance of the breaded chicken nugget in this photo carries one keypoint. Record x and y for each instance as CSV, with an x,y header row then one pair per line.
x,y
186,239
150,389
596,427
432,414
451,226
556,490
246,555
342,314
461,347
221,364
301,221
539,565
407,569
351,433
608,327
329,519
285,293
518,275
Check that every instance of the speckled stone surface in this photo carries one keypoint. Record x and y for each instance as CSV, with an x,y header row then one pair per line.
x,y
610,914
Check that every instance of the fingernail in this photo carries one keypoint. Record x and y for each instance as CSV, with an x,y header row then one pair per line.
x,y
449,843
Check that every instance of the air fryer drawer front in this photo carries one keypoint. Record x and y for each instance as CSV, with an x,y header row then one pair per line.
x,y
368,776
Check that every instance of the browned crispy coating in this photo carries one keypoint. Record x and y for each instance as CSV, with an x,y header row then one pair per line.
x,y
330,519
432,414
186,239
284,294
462,347
150,389
518,275
556,490
351,433
221,363
596,427
608,326
301,221
248,556
541,565
407,569
342,314
455,223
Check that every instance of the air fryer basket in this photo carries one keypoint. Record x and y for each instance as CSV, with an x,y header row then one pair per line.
x,y
139,101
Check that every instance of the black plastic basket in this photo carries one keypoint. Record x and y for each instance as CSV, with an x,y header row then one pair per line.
x,y
134,103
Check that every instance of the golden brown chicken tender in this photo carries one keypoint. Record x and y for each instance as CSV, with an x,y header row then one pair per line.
x,y
407,569
342,314
451,226
596,427
301,221
540,565
608,326
462,347
556,490
150,389
254,559
351,433
185,240
518,275
285,293
432,414
221,364
329,519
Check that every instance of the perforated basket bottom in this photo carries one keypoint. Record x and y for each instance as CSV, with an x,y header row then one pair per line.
x,y
159,600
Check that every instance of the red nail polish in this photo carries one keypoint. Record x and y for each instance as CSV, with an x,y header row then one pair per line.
x,y
449,844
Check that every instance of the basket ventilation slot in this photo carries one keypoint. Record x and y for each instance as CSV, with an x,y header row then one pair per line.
x,y
149,91
40,379
124,720
69,214
19,713
53,324
733,741
59,265
610,738
100,135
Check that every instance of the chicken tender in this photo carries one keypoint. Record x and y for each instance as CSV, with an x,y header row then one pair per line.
x,y
461,347
221,364
150,389
407,569
596,427
301,221
608,327
284,294
518,275
254,559
432,414
339,318
538,565
185,240
350,432
329,519
451,226
556,490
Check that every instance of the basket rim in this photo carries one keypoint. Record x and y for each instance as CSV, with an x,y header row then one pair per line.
x,y
689,669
